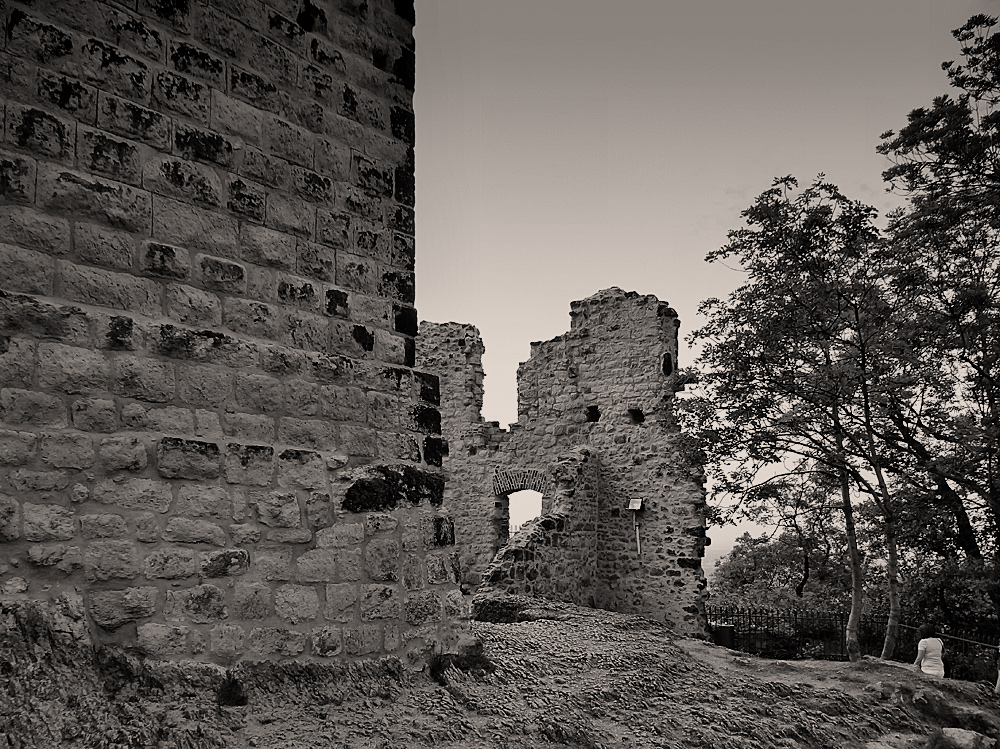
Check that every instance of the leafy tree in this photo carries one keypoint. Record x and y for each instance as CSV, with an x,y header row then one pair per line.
x,y
946,262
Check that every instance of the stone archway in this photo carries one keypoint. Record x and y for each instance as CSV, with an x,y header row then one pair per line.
x,y
507,481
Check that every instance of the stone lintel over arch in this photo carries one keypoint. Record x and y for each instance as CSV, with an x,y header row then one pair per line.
x,y
509,480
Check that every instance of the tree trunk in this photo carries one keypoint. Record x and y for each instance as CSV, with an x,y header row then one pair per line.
x,y
857,573
892,573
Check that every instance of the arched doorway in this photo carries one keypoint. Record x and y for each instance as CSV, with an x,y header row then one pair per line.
x,y
519,497
522,506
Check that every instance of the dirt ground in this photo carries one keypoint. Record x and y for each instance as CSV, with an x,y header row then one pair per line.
x,y
563,676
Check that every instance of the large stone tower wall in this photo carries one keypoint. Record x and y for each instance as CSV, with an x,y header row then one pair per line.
x,y
607,385
206,327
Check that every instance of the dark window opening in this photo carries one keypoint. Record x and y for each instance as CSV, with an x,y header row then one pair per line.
x,y
668,364
636,416
593,413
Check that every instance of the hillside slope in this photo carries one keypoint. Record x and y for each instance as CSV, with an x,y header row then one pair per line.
x,y
563,676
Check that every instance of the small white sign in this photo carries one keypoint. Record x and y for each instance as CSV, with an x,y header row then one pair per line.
x,y
635,504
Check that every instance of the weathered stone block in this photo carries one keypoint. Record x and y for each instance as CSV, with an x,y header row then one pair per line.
x,y
224,563
48,522
243,533
301,469
440,569
276,641
413,572
340,602
276,509
40,132
26,270
200,604
197,501
25,480
71,369
341,535
192,306
188,531
23,226
164,260
17,362
259,392
296,603
129,119
95,415
17,448
326,641
105,525
170,563
380,523
108,560
252,601
28,407
188,459
147,527
185,225
63,557
125,453
317,566
380,602
349,564
421,607
108,156
93,197
318,510
177,178
111,609
161,639
364,639
182,95
249,464
273,563
226,641
143,379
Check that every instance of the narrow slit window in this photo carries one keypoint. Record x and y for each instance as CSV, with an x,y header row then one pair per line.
x,y
593,413
636,416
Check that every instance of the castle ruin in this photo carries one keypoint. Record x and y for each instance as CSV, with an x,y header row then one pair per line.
x,y
595,434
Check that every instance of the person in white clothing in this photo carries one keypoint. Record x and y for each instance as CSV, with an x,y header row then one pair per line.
x,y
929,650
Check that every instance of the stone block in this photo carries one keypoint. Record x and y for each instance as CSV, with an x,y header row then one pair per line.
x,y
23,226
249,464
185,225
10,516
290,215
17,362
246,198
326,642
108,155
147,527
422,607
27,271
349,564
40,132
205,386
267,247
94,415
272,564
196,500
177,93
48,522
24,480
318,510
276,641
380,523
252,318
164,260
63,557
188,459
124,453
244,533
207,424
134,121
104,525
17,448
196,62
113,203
110,609
413,572
170,563
226,641
364,639
259,393
312,433
301,469
380,602
201,604
278,509
70,369
198,144
340,536
188,531
161,639
203,345
252,601
177,178
143,379
192,306
296,603
440,569
317,566
67,94
224,563
289,535
111,559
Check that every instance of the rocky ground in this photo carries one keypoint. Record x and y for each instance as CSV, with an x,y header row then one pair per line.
x,y
556,676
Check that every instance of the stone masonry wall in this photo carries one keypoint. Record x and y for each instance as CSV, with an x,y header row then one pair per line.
x,y
606,385
209,419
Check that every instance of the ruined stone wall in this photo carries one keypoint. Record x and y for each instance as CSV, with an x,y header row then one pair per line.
x,y
607,385
454,352
206,327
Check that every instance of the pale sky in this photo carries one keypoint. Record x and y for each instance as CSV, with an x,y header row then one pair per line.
x,y
565,146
